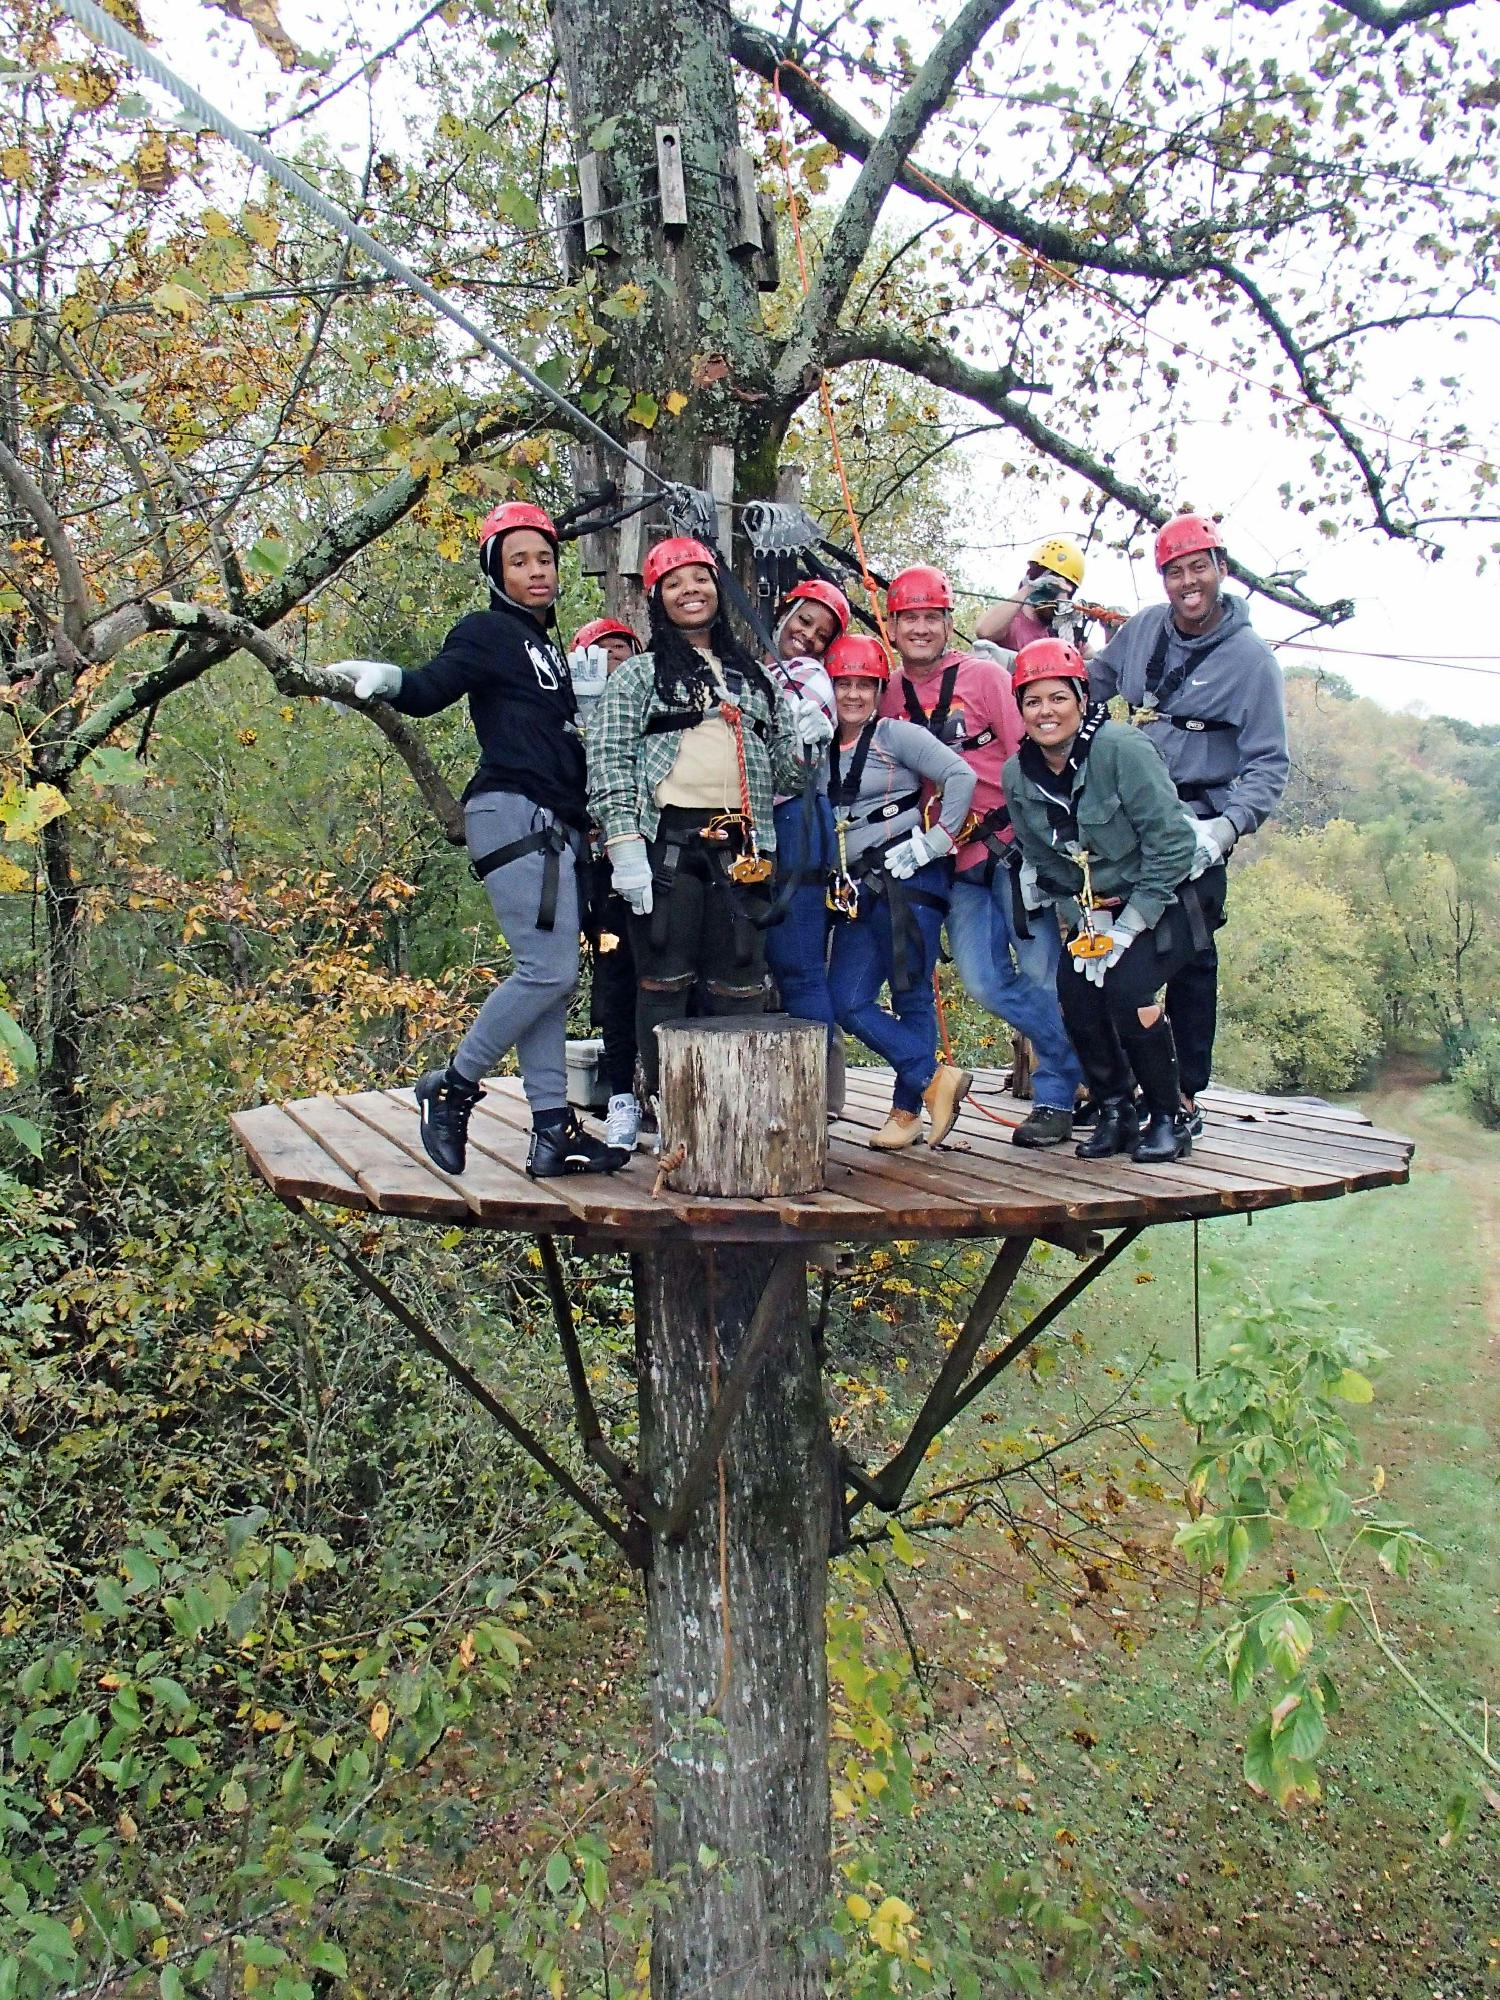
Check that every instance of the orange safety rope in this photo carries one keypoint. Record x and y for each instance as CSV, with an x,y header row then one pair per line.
x,y
868,582
1178,346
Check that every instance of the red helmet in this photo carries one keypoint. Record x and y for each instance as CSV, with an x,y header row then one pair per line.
x,y
674,553
516,514
918,589
816,591
1048,660
603,628
1186,536
856,657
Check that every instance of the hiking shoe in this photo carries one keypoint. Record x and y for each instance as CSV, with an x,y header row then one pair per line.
x,y
563,1147
446,1101
622,1121
901,1129
942,1097
1048,1125
1191,1119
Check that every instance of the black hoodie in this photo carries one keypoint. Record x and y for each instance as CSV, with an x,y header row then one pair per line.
x,y
520,702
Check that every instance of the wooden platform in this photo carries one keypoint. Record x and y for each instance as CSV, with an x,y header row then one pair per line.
x,y
363,1151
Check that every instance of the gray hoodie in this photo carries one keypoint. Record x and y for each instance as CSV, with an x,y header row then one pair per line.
x,y
1240,771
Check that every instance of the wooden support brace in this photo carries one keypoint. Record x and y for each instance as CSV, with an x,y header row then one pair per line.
x,y
593,550
768,262
746,237
787,1272
1019,1342
671,182
937,1411
599,237
632,545
628,1539
721,487
620,1473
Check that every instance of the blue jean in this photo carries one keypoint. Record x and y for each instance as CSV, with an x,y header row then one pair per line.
x,y
863,961
797,947
1020,988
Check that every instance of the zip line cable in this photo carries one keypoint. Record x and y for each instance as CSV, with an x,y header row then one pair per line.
x,y
101,28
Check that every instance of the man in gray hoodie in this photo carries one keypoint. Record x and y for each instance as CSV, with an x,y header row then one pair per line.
x,y
1208,691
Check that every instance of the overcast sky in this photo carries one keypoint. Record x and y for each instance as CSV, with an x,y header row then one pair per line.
x,y
1445,614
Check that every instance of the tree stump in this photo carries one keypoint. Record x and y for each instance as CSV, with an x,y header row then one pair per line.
x,y
746,1099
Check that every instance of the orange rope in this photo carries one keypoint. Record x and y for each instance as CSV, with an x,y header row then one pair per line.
x,y
868,582
1178,347
946,1043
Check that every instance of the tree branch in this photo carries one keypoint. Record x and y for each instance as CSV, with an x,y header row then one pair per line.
x,y
76,603
1375,14
991,390
884,161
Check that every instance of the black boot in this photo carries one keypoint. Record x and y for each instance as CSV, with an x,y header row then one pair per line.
x,y
446,1101
1153,1056
1116,1129
561,1146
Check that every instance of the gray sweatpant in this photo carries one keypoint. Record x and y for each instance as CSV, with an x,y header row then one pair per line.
x,y
529,1010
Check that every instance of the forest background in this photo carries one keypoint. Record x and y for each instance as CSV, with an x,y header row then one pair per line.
x,y
299,1667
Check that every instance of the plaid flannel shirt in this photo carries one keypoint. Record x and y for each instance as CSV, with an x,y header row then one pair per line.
x,y
626,765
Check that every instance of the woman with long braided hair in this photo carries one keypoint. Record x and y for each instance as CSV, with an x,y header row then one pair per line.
x,y
687,749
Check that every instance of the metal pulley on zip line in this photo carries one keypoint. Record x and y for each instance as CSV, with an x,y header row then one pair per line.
x,y
1090,942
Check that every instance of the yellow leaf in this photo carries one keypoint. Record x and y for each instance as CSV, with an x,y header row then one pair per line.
x,y
676,403
177,300
216,224
13,878
260,226
15,165
380,1722
24,812
858,1908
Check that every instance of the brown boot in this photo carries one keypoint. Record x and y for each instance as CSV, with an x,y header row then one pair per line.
x,y
947,1090
900,1130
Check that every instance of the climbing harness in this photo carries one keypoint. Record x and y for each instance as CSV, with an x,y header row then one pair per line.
x,y
939,721
553,840
1161,687
751,866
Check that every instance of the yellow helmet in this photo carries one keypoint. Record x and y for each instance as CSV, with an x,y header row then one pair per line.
x,y
1062,557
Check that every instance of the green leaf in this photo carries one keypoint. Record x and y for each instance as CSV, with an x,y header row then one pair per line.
x,y
326,1956
1260,1759
480,1963
903,1545
110,1598
643,410
269,557
484,1899
17,1043
1287,1638
595,1882
559,1873
233,1798
603,135
170,1984
1353,1387
1237,1555
24,1131
708,1857
110,765
516,206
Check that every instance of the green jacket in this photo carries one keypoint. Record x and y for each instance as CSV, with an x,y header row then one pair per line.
x,y
1130,821
626,765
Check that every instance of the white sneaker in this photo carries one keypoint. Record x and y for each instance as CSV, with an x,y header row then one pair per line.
x,y
622,1122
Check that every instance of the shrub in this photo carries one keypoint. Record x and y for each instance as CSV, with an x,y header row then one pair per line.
x,y
1477,1073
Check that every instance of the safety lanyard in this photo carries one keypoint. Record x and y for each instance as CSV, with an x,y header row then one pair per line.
x,y
753,865
1161,687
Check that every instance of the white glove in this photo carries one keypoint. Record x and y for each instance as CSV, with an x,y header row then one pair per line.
x,y
588,669
1125,927
1047,591
630,873
1000,656
918,848
1215,838
811,724
367,680
1033,895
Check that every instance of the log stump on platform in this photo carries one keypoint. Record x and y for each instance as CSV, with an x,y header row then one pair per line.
x,y
747,1101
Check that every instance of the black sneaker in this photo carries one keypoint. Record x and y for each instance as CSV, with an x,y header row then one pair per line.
x,y
446,1101
1048,1125
1190,1118
565,1148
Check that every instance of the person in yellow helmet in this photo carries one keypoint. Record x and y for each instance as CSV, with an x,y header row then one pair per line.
x,y
1054,571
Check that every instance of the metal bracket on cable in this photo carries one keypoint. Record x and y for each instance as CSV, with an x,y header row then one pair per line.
x,y
692,512
779,534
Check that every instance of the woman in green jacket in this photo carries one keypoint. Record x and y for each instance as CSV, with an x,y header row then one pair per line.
x,y
1104,835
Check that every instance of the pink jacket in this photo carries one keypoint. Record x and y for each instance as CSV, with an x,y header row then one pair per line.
x,y
981,706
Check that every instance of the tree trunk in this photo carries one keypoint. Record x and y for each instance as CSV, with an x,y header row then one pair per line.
x,y
61,1039
736,1626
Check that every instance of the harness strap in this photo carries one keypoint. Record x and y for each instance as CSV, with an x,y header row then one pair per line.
x,y
935,722
553,840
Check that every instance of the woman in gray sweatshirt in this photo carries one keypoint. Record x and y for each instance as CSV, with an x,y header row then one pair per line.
x,y
891,889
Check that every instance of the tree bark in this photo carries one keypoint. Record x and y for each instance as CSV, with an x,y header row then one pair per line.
x,y
736,1627
61,1039
747,1102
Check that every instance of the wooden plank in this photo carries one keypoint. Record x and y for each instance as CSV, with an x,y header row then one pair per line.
x,y
395,1184
495,1192
721,486
767,266
291,1163
593,193
917,1182
1290,1158
671,183
630,536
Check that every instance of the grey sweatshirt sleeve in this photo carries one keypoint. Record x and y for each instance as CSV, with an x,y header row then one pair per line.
x,y
1264,764
920,751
